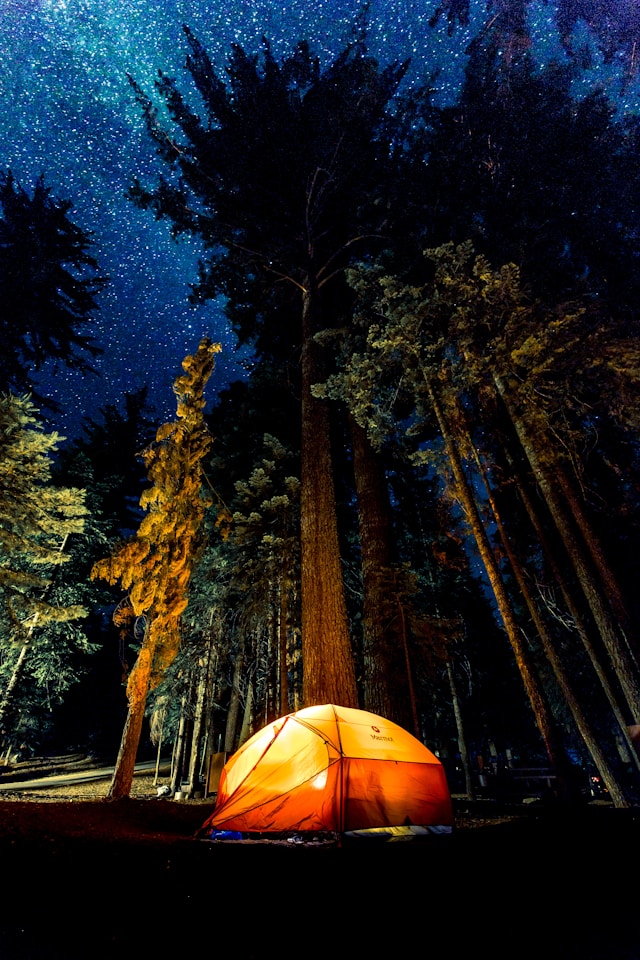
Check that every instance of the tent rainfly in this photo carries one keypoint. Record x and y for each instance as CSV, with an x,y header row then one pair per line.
x,y
331,769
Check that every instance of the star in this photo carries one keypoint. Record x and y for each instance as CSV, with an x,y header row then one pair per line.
x,y
69,114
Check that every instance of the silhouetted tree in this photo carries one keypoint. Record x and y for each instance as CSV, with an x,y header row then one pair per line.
x,y
285,177
48,285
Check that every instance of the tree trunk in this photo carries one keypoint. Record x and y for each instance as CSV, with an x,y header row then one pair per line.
x,y
384,684
621,660
272,673
126,763
568,788
234,703
13,680
212,738
462,743
576,616
328,670
283,646
611,587
193,775
137,690
247,715
16,673
533,688
156,774
177,774
413,703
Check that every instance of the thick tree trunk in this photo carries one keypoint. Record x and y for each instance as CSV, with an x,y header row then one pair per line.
x,y
328,670
623,663
125,764
530,679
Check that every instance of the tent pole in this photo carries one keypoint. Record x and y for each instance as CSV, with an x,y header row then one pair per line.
x,y
340,780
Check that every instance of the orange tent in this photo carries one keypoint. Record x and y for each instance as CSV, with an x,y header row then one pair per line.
x,y
330,768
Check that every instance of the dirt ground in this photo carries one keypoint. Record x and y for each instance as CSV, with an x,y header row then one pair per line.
x,y
86,878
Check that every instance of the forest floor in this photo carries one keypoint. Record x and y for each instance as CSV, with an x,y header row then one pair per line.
x,y
86,878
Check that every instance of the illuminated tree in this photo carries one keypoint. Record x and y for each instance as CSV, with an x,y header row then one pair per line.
x,y
471,339
155,566
36,519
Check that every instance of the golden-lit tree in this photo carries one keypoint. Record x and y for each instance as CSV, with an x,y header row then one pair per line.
x,y
155,566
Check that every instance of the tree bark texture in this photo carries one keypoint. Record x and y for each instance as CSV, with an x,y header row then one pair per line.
x,y
328,669
180,749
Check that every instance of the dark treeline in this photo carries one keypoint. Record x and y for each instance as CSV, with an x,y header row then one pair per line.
x,y
423,501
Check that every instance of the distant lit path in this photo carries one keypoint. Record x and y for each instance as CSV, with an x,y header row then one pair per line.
x,y
69,779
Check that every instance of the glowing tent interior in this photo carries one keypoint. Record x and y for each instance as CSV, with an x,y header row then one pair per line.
x,y
331,769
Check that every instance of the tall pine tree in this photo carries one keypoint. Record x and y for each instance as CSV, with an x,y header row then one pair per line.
x,y
285,177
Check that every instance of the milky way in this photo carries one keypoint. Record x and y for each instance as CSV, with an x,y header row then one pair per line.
x,y
68,113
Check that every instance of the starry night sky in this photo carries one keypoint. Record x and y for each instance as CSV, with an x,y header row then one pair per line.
x,y
68,113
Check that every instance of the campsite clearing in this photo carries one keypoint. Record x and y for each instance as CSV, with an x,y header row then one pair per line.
x,y
126,879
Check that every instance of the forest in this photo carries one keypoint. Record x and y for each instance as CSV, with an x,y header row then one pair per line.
x,y
423,498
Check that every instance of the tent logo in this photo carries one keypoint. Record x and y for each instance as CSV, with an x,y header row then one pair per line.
x,y
377,736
